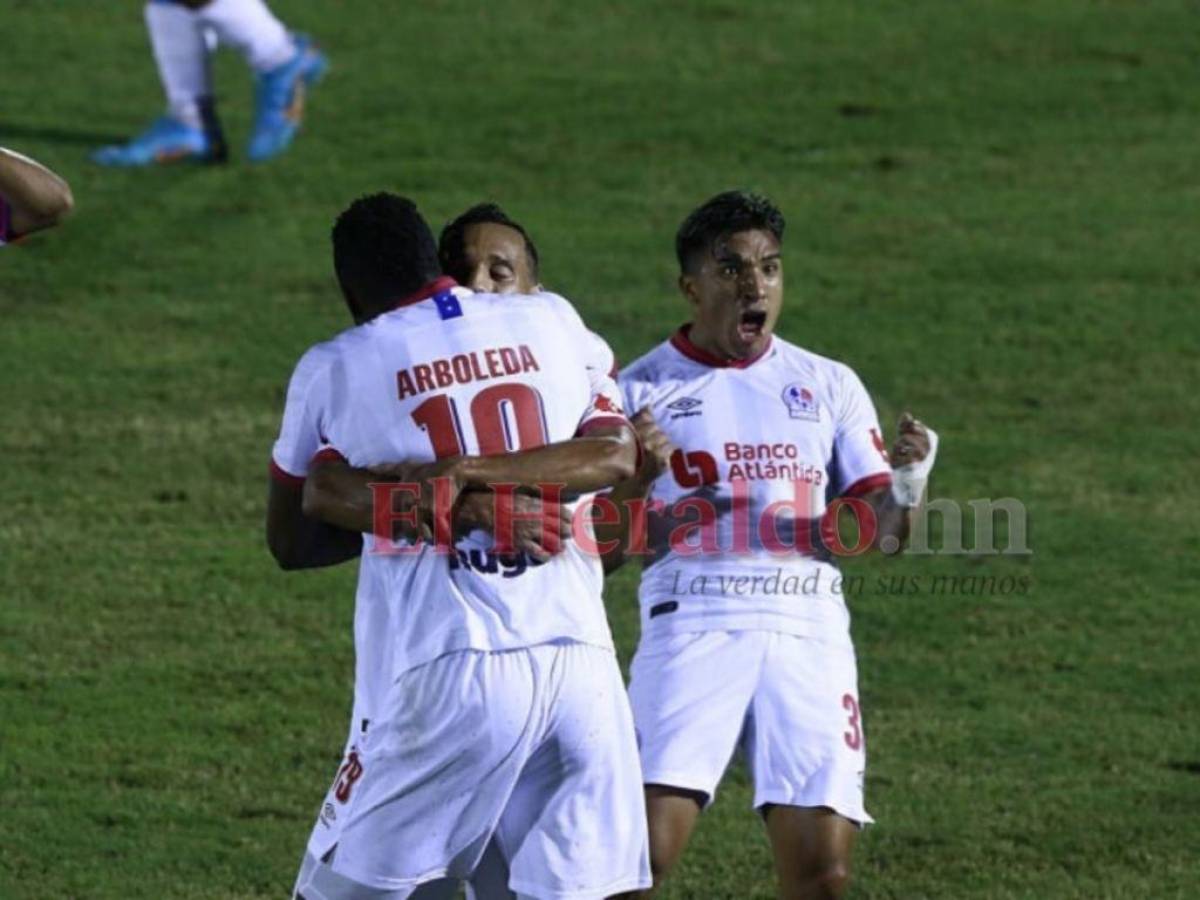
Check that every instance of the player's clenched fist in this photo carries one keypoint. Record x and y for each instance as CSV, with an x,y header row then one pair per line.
x,y
912,444
913,455
656,446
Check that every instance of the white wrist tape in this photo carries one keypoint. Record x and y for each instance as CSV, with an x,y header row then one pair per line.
x,y
908,482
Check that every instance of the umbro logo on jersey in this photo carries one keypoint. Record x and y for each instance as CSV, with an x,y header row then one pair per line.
x,y
800,403
684,406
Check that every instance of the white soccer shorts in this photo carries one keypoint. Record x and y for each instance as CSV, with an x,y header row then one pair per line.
x,y
533,749
789,703
318,881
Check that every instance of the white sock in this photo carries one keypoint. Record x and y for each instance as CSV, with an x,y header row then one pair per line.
x,y
182,56
251,28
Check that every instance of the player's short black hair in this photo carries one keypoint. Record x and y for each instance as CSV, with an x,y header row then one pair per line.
x,y
721,215
383,250
452,242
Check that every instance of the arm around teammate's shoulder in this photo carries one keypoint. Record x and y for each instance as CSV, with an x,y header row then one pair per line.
x,y
600,459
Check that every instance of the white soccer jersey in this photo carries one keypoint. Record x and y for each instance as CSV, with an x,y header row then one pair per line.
x,y
763,445
451,372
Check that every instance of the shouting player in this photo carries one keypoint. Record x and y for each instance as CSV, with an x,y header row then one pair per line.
x,y
31,196
496,715
745,636
183,33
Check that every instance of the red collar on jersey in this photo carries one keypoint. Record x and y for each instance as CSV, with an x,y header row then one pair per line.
x,y
444,283
681,341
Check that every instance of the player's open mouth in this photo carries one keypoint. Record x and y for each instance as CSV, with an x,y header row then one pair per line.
x,y
751,324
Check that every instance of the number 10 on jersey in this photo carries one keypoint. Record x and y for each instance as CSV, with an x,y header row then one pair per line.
x,y
504,417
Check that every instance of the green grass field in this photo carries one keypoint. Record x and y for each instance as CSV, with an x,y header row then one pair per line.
x,y
992,218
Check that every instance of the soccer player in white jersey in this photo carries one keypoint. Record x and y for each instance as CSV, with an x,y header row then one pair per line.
x,y
487,251
183,34
745,638
497,714
31,196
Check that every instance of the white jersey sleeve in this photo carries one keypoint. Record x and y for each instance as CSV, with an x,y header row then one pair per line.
x,y
859,453
302,435
600,356
606,408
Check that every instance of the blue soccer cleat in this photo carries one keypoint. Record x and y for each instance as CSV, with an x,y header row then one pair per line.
x,y
167,140
279,100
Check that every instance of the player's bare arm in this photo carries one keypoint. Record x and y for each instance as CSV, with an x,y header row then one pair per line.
x,y
298,541
605,457
37,197
341,495
656,457
337,491
912,457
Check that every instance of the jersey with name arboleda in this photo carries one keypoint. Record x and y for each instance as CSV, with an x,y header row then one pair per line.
x,y
450,372
763,446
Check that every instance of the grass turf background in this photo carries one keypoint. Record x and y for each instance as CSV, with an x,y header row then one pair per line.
x,y
992,212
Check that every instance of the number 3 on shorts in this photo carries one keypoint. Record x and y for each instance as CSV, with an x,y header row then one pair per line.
x,y
854,737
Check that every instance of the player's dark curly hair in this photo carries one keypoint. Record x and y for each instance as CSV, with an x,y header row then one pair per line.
x,y
722,215
383,250
452,242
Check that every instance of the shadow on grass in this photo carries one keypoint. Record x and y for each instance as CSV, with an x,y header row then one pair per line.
x,y
10,132
1191,767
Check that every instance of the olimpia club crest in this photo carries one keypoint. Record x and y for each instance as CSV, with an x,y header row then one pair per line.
x,y
801,403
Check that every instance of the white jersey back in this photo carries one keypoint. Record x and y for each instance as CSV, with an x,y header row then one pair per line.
x,y
762,446
454,373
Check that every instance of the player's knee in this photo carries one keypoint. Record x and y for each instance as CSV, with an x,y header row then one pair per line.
x,y
661,865
665,851
666,846
825,879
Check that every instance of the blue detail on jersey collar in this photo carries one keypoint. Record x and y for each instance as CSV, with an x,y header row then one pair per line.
x,y
447,305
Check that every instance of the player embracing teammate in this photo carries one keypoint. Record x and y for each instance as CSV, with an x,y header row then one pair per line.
x,y
489,741
490,713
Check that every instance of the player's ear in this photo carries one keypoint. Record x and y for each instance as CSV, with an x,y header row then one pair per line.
x,y
687,286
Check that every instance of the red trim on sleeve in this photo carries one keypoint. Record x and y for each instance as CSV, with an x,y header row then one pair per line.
x,y
682,342
328,454
434,287
286,478
868,484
